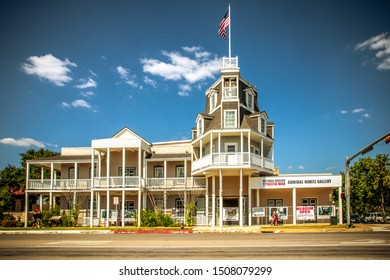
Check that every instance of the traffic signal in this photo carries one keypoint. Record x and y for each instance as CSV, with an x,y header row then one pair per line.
x,y
387,139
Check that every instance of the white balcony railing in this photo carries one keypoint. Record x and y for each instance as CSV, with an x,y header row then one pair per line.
x,y
117,182
232,159
59,184
230,62
175,183
230,93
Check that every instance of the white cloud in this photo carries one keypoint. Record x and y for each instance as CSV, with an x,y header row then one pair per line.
x,y
81,103
50,68
358,110
366,115
180,67
380,44
344,112
123,72
22,142
301,167
87,83
149,81
88,93
64,104
184,90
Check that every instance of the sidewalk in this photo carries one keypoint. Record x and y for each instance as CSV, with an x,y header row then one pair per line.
x,y
199,230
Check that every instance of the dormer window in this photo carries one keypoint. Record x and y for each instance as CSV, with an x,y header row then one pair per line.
x,y
262,125
213,101
200,126
250,100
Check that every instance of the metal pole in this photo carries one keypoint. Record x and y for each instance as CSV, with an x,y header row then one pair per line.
x,y
230,34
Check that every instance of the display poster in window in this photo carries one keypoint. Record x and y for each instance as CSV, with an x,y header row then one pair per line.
x,y
231,213
325,212
281,211
258,212
305,213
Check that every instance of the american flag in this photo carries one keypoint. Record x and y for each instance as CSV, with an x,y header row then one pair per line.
x,y
223,25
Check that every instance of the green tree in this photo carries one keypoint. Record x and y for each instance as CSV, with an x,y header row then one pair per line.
x,y
370,185
12,177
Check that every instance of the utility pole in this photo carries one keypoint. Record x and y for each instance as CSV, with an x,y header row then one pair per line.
x,y
365,150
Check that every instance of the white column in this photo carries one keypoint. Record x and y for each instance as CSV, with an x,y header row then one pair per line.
x,y
98,206
249,203
139,167
165,186
207,201
123,167
249,149
241,200
242,149
108,210
219,148
91,210
213,202
51,184
93,169
258,203
220,199
139,208
294,201
108,168
123,207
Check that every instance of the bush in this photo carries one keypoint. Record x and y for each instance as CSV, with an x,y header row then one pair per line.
x,y
8,223
151,218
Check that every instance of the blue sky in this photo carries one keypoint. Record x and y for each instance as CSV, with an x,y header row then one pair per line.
x,y
73,71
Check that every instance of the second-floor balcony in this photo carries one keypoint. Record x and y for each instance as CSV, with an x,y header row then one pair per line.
x,y
178,183
85,184
232,159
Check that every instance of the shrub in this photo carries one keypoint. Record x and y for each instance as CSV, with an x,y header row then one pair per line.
x,y
8,223
151,218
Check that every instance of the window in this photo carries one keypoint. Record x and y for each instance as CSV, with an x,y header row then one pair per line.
x,y
230,88
180,171
213,101
158,172
275,202
262,125
200,126
179,205
249,100
255,150
230,117
71,173
230,147
129,171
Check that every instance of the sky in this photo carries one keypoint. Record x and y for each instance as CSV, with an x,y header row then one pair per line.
x,y
74,71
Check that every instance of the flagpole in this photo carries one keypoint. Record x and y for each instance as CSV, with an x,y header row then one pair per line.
x,y
230,32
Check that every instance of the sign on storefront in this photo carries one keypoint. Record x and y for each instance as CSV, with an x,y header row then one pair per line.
x,y
258,212
304,213
281,211
230,214
325,212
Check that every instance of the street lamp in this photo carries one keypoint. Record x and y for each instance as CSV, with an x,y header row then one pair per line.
x,y
347,179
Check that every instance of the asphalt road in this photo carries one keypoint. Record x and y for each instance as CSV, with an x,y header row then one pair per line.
x,y
264,246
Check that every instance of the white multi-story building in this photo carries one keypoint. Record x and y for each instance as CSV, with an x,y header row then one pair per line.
x,y
226,170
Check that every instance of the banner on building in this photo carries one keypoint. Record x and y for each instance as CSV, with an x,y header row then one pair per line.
x,y
305,213
281,211
231,214
258,212
325,212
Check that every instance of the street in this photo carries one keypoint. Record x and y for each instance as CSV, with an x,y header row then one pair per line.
x,y
264,246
